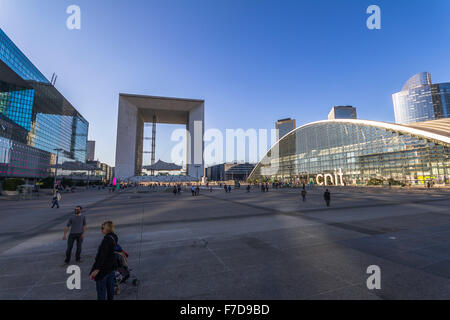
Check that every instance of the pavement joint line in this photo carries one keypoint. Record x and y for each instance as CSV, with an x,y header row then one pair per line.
x,y
330,208
47,225
439,260
33,286
227,268
389,258
295,214
338,289
138,272
286,254
218,267
337,224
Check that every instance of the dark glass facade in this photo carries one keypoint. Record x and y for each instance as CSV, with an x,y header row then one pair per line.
x,y
17,61
36,119
229,171
342,112
284,126
53,117
16,103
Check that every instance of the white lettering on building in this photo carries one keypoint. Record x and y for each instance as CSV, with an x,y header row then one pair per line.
x,y
334,179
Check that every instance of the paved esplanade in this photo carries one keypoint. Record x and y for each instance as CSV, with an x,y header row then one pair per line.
x,y
241,246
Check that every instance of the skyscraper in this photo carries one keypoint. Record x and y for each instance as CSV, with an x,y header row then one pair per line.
x,y
284,126
90,154
342,112
421,100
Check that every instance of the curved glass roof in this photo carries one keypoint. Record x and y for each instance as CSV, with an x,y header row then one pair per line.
x,y
441,126
437,131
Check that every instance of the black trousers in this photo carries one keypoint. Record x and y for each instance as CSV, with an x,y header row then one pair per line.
x,y
328,202
70,241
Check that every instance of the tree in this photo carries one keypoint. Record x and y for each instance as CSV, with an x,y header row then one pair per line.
x,y
12,184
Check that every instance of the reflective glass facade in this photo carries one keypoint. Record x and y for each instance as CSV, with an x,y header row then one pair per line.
x,y
360,150
16,103
54,117
284,126
35,119
17,158
420,100
342,112
17,61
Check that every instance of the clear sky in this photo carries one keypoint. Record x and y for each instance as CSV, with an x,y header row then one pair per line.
x,y
253,61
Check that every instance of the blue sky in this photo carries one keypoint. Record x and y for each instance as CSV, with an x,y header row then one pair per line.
x,y
253,61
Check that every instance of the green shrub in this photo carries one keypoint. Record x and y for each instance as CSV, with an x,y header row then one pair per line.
x,y
81,184
375,182
67,182
47,183
395,182
12,184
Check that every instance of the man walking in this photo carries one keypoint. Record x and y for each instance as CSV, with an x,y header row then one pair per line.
x,y
56,199
327,197
304,195
78,226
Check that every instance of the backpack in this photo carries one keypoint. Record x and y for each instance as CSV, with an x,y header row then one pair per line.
x,y
116,263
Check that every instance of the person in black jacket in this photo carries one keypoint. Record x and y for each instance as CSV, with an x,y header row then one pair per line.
x,y
103,269
327,197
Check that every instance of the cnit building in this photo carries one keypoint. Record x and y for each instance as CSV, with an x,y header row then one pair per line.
x,y
414,151
35,119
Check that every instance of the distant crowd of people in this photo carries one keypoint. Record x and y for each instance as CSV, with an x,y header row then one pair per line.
x,y
195,190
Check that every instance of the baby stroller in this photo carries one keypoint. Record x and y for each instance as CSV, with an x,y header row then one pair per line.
x,y
122,272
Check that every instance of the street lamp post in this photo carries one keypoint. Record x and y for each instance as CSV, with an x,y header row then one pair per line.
x,y
6,163
89,173
56,168
197,166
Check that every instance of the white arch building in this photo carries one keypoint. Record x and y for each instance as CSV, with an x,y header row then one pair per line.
x,y
135,110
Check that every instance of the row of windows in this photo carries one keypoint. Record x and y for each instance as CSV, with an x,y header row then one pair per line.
x,y
17,61
21,160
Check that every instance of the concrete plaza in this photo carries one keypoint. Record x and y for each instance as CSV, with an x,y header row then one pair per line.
x,y
239,245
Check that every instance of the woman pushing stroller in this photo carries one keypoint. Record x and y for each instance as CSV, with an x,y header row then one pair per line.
x,y
103,270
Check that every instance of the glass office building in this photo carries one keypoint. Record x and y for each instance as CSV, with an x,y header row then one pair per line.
x,y
284,126
35,119
342,112
360,152
421,100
